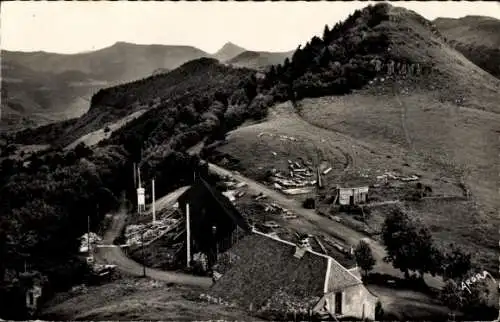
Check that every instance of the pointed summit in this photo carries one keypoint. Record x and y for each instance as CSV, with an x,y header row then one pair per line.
x,y
228,51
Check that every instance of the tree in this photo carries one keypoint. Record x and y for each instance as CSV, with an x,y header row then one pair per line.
x,y
470,299
395,231
456,264
409,245
452,296
364,257
309,203
326,34
82,151
379,311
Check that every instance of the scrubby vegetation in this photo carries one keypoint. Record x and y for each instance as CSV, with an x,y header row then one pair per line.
x,y
476,37
44,208
410,247
485,57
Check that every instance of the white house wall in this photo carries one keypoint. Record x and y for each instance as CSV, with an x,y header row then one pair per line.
x,y
357,302
359,195
344,195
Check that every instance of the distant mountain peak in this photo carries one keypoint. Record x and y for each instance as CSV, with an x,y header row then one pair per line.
x,y
228,51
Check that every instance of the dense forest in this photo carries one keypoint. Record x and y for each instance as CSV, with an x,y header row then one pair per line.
x,y
45,200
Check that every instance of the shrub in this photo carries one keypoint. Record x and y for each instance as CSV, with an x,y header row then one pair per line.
x,y
379,311
309,203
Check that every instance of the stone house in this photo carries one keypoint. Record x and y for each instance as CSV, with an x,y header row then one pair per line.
x,y
271,274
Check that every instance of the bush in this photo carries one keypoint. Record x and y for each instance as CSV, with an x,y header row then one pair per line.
x,y
355,210
309,203
379,311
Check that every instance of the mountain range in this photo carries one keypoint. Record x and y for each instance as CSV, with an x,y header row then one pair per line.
x,y
42,87
385,92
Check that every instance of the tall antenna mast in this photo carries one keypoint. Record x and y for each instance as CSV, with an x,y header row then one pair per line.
x,y
135,175
88,235
139,176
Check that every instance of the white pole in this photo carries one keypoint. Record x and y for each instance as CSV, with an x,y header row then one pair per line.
x,y
188,235
153,192
139,175
139,206
88,237
135,176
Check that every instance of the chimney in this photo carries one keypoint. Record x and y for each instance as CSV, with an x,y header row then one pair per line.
x,y
301,247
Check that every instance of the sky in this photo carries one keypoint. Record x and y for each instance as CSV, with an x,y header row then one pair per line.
x,y
70,27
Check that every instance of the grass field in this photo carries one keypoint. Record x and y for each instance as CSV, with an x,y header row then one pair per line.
x,y
97,136
457,145
138,299
449,147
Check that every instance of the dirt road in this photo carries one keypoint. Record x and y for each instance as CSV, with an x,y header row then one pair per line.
x,y
325,225
111,254
315,222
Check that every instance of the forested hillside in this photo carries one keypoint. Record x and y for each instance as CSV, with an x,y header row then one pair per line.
x,y
47,196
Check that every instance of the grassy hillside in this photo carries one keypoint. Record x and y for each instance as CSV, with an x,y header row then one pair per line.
x,y
228,51
45,87
132,299
476,37
405,106
258,59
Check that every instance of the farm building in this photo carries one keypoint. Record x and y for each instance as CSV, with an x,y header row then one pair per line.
x,y
215,223
267,273
352,196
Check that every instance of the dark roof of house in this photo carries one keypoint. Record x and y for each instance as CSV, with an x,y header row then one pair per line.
x,y
202,186
265,272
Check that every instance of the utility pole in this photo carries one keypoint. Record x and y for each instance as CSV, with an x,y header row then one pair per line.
x,y
188,236
88,236
135,175
318,182
140,193
143,256
153,192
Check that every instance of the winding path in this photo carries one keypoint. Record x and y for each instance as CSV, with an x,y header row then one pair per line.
x,y
112,254
324,224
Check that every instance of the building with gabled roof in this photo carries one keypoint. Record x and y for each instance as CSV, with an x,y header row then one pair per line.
x,y
215,223
268,273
